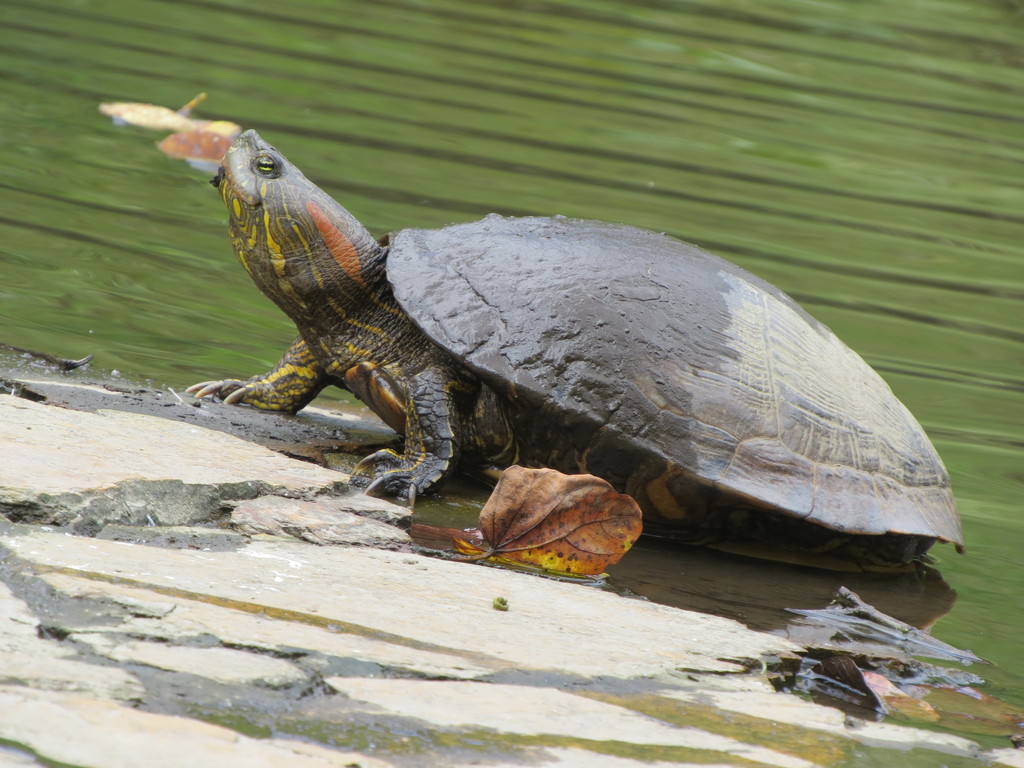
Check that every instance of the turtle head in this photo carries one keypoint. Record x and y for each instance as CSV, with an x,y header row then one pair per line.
x,y
291,236
253,170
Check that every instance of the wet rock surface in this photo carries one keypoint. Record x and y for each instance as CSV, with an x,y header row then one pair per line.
x,y
172,594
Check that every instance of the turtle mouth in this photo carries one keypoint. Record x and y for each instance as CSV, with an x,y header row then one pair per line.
x,y
218,178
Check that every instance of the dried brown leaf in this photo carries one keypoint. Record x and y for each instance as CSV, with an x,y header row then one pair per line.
x,y
576,524
201,145
469,549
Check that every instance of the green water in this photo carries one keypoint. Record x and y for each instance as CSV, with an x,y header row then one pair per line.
x,y
866,157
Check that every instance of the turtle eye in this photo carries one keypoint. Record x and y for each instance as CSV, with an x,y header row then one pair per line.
x,y
267,165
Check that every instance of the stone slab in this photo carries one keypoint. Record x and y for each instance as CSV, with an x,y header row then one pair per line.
x,y
67,451
473,705
26,658
426,603
63,674
569,757
86,733
804,714
18,625
409,615
192,620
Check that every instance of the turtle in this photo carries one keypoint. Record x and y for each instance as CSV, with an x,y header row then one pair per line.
x,y
729,413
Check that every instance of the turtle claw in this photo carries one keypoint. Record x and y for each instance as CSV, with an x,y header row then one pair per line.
x,y
235,397
374,485
391,485
203,388
365,466
226,390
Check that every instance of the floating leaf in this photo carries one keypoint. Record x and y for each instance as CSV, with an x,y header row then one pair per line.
x,y
221,127
575,524
160,118
147,116
201,146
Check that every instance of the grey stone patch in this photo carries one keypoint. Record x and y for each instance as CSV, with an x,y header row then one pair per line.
x,y
86,733
206,539
84,470
131,502
323,521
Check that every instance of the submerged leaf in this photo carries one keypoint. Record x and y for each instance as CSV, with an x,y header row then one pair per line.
x,y
972,711
575,524
894,699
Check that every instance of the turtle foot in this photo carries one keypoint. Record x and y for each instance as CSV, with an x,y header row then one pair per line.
x,y
402,477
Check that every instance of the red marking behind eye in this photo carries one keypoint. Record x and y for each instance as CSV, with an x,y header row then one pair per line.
x,y
340,246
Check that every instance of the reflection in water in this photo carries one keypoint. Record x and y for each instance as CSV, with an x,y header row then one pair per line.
x,y
757,592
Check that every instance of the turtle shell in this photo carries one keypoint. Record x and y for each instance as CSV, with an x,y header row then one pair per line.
x,y
632,346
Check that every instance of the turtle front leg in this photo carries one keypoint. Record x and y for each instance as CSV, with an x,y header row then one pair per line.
x,y
431,444
288,386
